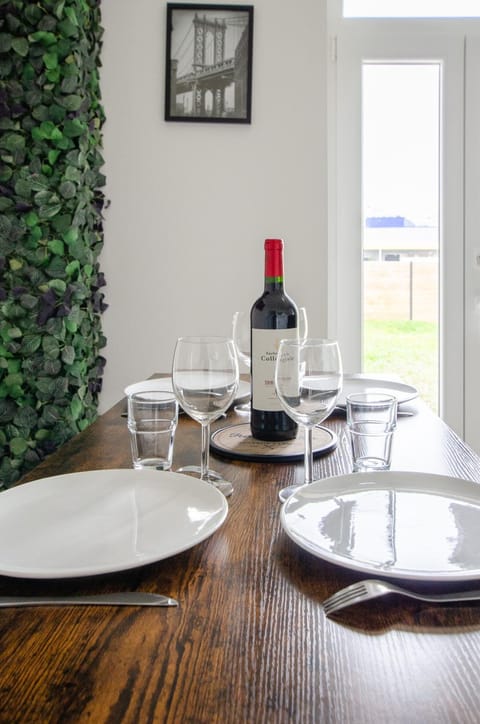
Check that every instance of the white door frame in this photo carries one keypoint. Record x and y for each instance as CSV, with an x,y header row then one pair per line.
x,y
472,243
352,41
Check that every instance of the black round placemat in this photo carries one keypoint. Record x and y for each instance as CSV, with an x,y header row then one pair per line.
x,y
236,441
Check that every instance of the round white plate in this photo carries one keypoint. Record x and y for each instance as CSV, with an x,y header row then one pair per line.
x,y
396,524
165,384
361,383
102,521
160,384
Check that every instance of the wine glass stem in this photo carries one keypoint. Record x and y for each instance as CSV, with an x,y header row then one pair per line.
x,y
308,454
205,451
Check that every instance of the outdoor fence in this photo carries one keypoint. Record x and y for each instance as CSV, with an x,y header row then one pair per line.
x,y
401,290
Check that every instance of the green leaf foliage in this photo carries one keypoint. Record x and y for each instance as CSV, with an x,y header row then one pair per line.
x,y
51,233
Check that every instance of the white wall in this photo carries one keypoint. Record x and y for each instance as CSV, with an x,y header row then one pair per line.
x,y
191,203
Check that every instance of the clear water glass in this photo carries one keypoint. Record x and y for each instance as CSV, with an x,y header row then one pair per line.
x,y
371,421
152,421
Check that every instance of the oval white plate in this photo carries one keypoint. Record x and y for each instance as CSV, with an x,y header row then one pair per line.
x,y
360,383
396,524
162,384
101,521
165,384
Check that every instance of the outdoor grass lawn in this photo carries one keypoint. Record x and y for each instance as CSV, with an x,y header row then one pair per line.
x,y
408,349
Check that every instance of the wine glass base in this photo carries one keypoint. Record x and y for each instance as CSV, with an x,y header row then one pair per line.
x,y
196,470
224,487
213,478
286,493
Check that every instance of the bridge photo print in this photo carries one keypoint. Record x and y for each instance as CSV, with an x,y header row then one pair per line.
x,y
209,63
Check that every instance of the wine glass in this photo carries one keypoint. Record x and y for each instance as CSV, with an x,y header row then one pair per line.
x,y
308,379
302,323
205,381
241,338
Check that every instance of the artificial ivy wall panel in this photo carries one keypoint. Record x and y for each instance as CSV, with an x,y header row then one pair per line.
x,y
51,233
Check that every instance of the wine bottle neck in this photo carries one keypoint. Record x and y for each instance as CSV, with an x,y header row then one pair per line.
x,y
273,284
273,265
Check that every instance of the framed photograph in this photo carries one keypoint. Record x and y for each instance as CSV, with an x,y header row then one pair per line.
x,y
209,63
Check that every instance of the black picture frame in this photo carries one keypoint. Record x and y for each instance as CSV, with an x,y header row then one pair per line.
x,y
208,72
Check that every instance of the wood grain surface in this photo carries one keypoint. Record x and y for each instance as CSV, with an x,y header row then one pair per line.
x,y
249,641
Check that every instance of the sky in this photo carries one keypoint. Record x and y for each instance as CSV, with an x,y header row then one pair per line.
x,y
401,140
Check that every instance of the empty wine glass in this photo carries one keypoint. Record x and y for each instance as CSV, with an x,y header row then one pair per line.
x,y
308,379
205,381
241,338
302,323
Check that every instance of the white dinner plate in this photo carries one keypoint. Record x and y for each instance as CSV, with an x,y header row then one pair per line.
x,y
103,521
398,524
165,384
161,384
362,383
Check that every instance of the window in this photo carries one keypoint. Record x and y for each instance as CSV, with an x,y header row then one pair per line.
x,y
400,218
411,9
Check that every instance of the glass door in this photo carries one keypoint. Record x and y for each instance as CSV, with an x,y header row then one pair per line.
x,y
397,215
401,176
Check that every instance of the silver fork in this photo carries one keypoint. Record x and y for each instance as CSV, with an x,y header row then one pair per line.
x,y
371,588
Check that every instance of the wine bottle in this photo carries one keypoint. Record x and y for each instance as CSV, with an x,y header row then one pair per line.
x,y
273,317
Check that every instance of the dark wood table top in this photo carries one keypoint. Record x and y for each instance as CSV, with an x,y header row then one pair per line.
x,y
249,641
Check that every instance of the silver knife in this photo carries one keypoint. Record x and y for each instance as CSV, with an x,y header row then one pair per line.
x,y
128,598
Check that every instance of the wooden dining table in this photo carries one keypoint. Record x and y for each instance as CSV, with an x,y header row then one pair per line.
x,y
249,640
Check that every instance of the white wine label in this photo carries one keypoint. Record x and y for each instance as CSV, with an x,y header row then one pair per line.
x,y
265,344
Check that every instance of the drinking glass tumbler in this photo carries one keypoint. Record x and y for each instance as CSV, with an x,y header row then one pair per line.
x,y
152,421
371,421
